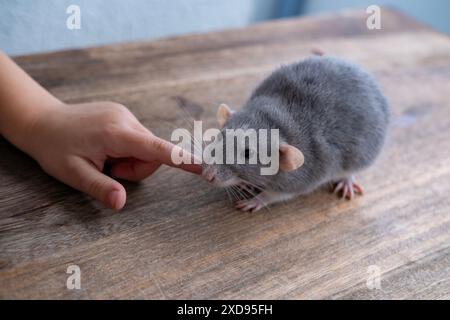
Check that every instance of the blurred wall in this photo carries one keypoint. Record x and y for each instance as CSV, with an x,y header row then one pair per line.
x,y
435,13
29,26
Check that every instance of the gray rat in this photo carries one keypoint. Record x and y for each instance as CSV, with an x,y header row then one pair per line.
x,y
332,119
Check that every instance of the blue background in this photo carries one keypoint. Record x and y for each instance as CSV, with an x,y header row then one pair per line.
x,y
30,26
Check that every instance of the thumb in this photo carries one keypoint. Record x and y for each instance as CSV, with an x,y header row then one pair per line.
x,y
85,177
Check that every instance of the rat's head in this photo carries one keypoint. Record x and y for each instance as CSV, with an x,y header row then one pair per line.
x,y
242,151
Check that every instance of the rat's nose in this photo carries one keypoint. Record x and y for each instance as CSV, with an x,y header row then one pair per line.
x,y
210,175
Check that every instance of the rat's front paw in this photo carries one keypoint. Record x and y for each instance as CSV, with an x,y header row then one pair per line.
x,y
252,205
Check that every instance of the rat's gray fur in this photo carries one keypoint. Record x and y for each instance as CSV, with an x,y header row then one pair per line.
x,y
330,109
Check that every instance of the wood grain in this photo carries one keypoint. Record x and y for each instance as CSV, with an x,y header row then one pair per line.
x,y
178,238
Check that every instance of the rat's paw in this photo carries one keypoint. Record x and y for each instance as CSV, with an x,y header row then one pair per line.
x,y
252,205
348,188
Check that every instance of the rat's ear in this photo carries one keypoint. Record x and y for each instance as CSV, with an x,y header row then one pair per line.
x,y
290,158
223,114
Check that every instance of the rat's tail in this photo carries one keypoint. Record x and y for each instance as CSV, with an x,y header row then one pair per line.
x,y
317,51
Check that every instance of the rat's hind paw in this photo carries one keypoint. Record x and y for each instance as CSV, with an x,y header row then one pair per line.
x,y
348,188
252,205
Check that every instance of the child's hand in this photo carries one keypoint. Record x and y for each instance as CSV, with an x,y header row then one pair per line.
x,y
73,142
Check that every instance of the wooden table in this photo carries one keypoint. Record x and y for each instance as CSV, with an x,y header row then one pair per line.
x,y
178,238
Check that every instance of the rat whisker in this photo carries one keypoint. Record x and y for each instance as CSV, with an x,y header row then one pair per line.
x,y
240,194
191,128
232,192
229,195
187,117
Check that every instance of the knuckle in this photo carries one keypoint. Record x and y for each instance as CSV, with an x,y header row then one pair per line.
x,y
112,130
158,145
71,165
50,169
115,111
94,187
117,107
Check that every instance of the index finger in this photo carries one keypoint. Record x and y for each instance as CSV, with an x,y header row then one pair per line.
x,y
148,147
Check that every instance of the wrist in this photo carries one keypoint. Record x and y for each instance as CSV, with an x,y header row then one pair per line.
x,y
24,127
22,101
